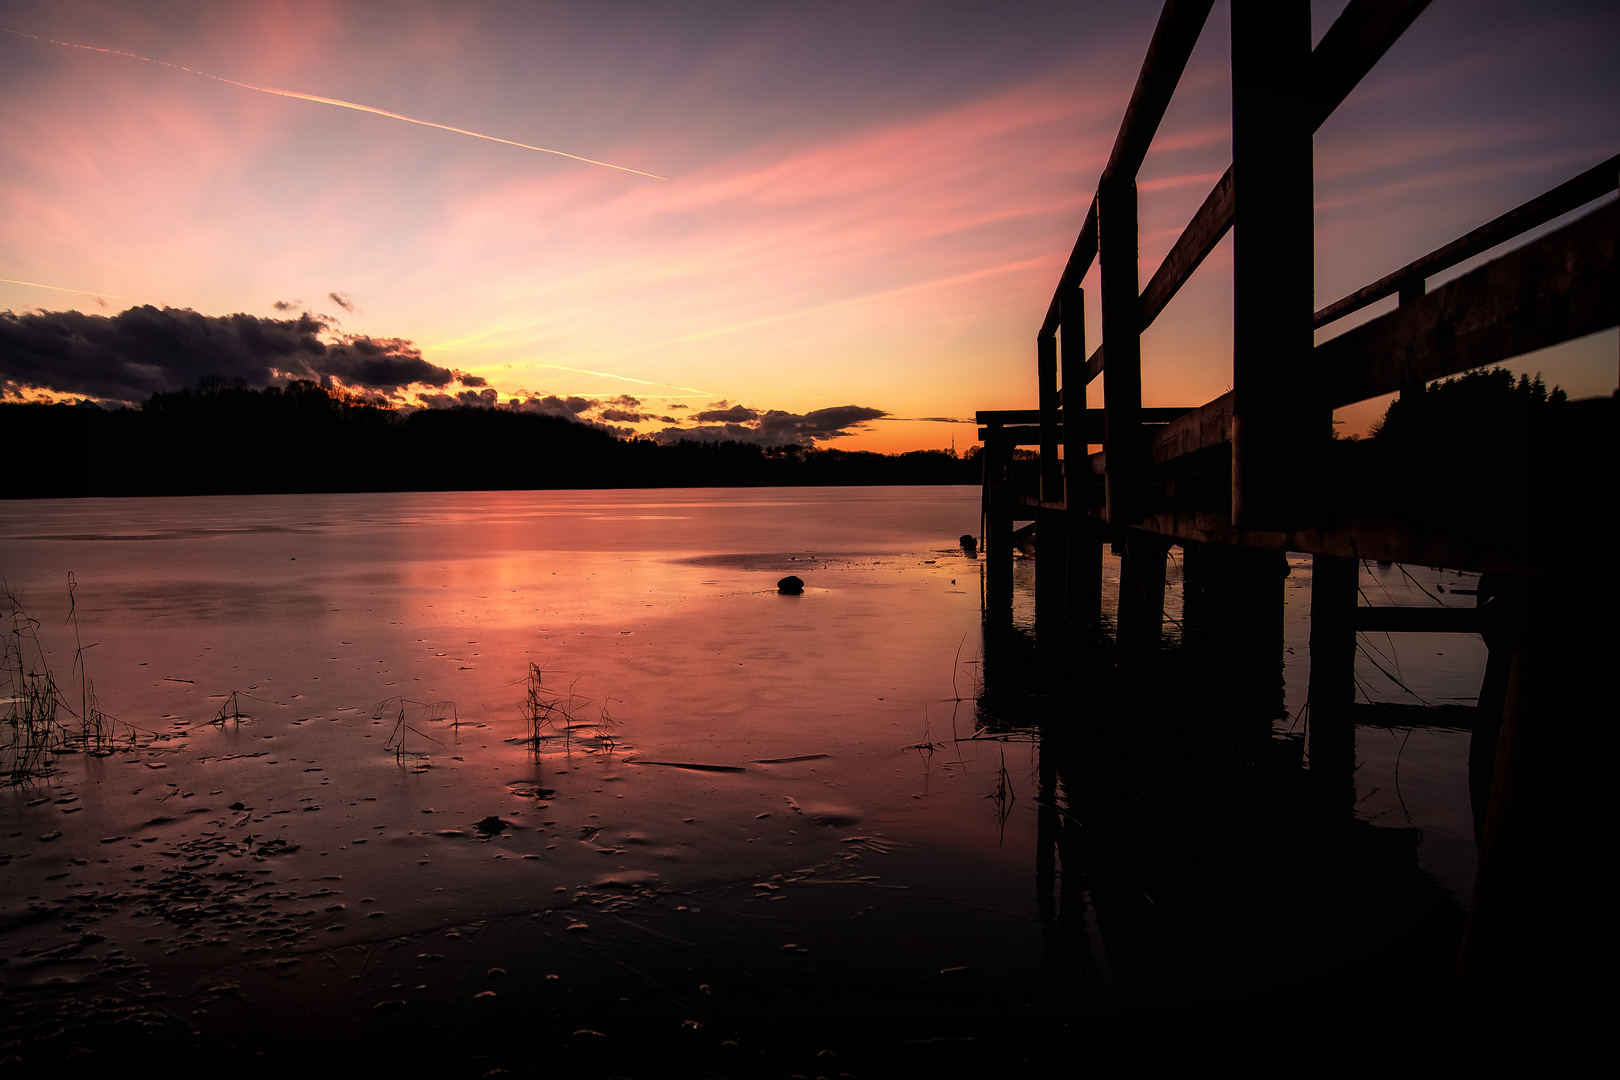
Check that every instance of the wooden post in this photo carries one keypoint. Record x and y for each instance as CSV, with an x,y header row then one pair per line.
x,y
1083,574
1410,290
1046,371
1334,591
1122,329
1051,565
1331,747
1497,618
1050,535
1141,594
1233,623
1544,883
998,520
1277,413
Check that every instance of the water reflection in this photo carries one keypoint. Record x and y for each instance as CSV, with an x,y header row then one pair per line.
x,y
1185,859
877,819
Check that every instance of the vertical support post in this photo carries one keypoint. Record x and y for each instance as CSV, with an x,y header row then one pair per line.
x,y
1544,883
1141,594
1122,332
1051,565
1046,371
1335,586
998,522
1277,414
1083,574
1233,622
1085,570
1051,561
1411,289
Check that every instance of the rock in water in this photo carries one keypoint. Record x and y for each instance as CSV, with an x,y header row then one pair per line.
x,y
969,542
790,584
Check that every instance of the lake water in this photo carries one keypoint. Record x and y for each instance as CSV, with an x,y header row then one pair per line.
x,y
745,807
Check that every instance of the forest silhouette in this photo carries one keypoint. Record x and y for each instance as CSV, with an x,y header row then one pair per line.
x,y
301,437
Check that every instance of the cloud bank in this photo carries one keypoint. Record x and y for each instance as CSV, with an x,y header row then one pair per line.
x,y
126,358
774,427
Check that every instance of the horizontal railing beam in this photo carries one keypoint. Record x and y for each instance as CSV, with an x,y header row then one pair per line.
x,y
1197,429
1356,41
1080,260
1358,38
1213,220
1594,183
1563,286
1021,427
1418,620
1180,24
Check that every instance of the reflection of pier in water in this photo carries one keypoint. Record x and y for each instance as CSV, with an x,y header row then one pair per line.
x,y
1237,483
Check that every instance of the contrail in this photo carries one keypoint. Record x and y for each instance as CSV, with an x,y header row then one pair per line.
x,y
338,102
626,378
58,288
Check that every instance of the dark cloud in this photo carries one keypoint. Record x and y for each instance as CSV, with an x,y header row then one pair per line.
x,y
343,301
737,414
707,433
570,405
623,416
471,380
678,406
624,401
942,419
144,350
287,305
552,405
380,363
774,427
781,427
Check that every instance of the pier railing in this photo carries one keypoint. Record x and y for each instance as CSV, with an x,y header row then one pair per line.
x,y
1270,430
1238,481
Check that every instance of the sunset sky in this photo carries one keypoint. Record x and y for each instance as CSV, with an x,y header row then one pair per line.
x,y
853,204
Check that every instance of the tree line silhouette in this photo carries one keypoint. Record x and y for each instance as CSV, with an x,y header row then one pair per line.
x,y
217,440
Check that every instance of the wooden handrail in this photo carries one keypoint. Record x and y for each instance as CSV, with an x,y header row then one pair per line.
x,y
1205,230
1556,288
1356,41
1180,24
1362,33
1594,183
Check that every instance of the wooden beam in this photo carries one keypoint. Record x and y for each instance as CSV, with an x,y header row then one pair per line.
x,y
1094,364
1046,372
1353,44
1205,230
1022,427
1121,312
1277,416
1418,620
1592,184
1358,38
1508,548
1563,286
1180,24
1079,264
1334,586
1195,430
1072,348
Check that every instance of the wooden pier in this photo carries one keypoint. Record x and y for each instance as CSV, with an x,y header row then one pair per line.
x,y
1239,481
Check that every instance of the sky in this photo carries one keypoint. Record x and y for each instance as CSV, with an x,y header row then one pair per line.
x,y
778,221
